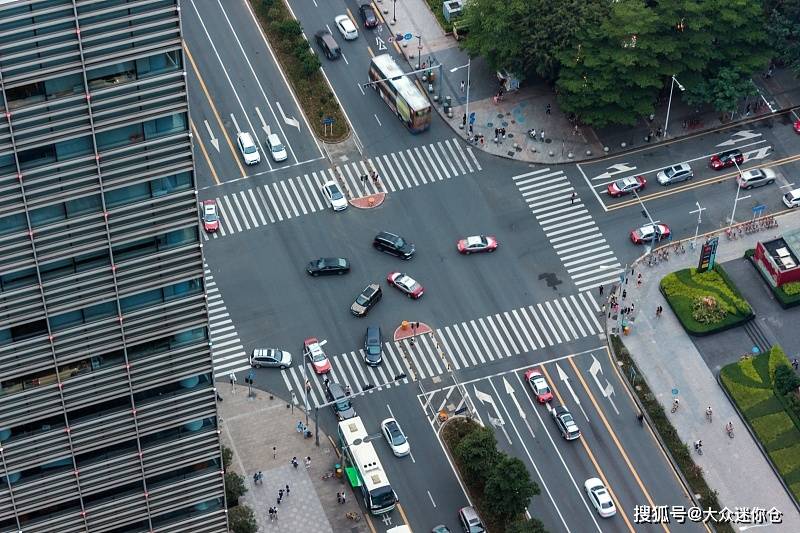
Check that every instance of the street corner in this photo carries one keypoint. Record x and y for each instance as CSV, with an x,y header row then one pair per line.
x,y
368,202
408,329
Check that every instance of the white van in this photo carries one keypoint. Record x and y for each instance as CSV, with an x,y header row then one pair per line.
x,y
792,198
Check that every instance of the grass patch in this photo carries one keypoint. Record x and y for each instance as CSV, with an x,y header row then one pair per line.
x,y
301,67
662,424
768,411
705,302
788,294
438,12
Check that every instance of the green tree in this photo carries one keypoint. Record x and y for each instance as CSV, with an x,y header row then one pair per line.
x,y
786,380
227,457
534,525
724,90
234,488
242,519
476,455
783,31
508,491
495,29
612,75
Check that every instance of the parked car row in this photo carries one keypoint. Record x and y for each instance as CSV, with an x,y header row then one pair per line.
x,y
249,149
348,30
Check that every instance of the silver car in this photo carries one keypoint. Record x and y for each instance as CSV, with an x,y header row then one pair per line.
x,y
675,174
271,358
756,177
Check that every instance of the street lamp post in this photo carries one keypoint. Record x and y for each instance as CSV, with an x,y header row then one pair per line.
x,y
669,104
736,198
455,69
306,384
394,12
699,212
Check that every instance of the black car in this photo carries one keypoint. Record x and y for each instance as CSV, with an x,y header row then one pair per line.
x,y
394,245
328,44
325,266
342,408
368,16
373,342
566,424
371,294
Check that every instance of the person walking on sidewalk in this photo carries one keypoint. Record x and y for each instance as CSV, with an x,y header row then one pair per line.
x,y
232,378
462,85
294,462
339,497
344,499
659,309
601,290
547,110
541,135
572,201
308,461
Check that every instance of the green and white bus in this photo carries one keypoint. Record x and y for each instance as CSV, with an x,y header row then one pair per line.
x,y
400,93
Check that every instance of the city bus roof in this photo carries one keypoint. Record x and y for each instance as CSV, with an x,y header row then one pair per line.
x,y
368,464
402,83
352,430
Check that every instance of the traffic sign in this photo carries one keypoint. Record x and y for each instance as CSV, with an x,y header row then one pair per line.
x,y
408,36
759,209
328,120
674,392
471,119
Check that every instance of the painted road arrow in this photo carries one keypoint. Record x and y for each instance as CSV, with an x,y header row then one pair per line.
x,y
289,120
619,168
608,390
264,125
496,422
510,391
565,378
758,153
740,136
214,140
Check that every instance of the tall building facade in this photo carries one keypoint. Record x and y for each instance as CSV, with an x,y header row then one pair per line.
x,y
108,419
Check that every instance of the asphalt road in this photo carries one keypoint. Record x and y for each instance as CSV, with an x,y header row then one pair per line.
x,y
533,302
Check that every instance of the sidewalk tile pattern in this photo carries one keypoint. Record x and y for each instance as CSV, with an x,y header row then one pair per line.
x,y
283,200
469,343
570,228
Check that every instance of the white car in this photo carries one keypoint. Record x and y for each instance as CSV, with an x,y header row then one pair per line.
x,y
346,27
600,498
395,437
276,149
248,148
792,198
334,195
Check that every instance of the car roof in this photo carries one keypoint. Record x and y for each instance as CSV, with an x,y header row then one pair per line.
x,y
561,410
753,173
386,235
469,513
246,137
373,331
336,389
273,138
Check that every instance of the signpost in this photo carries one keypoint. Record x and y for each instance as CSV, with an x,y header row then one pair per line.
x,y
758,210
327,121
708,255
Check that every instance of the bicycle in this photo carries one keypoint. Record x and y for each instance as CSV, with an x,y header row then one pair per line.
x,y
674,405
355,517
708,415
729,429
328,475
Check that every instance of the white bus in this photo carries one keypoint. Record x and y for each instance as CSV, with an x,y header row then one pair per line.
x,y
363,468
400,93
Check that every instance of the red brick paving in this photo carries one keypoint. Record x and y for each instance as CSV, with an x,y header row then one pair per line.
x,y
364,201
400,333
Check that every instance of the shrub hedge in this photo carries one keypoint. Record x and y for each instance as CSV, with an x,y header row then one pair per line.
x,y
788,294
669,435
301,67
774,416
684,288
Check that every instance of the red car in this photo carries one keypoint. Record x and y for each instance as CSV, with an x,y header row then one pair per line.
x,y
406,283
797,127
368,15
210,216
539,385
626,186
726,159
477,244
649,233
312,350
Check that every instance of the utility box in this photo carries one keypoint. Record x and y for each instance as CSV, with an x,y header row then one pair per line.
x,y
452,10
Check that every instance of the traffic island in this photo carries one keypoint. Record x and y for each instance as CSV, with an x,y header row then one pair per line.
x,y
408,329
705,302
368,202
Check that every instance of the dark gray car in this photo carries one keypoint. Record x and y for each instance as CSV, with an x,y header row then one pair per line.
x,y
342,408
373,346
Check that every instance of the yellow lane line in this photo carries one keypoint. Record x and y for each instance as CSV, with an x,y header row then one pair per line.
x,y
614,438
202,146
703,183
582,439
214,110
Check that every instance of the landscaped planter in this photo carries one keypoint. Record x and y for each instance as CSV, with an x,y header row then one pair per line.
x,y
712,292
785,299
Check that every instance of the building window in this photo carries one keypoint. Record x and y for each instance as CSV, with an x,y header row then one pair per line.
x,y
34,157
47,215
143,299
13,223
82,316
29,330
18,279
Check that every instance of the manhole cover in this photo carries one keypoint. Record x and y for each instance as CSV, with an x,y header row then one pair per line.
x,y
490,124
510,154
504,124
548,141
510,135
500,115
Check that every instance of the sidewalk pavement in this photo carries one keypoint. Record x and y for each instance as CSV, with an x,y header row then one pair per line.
x,y
251,427
527,108
668,359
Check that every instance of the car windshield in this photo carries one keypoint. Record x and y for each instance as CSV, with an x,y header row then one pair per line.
x,y
277,148
210,213
362,299
343,405
541,386
395,434
249,149
382,497
476,241
374,349
671,171
399,243
340,262
317,355
567,418
335,194
606,504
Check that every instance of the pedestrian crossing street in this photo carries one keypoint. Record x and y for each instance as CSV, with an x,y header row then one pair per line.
x,y
569,226
227,353
467,344
275,202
